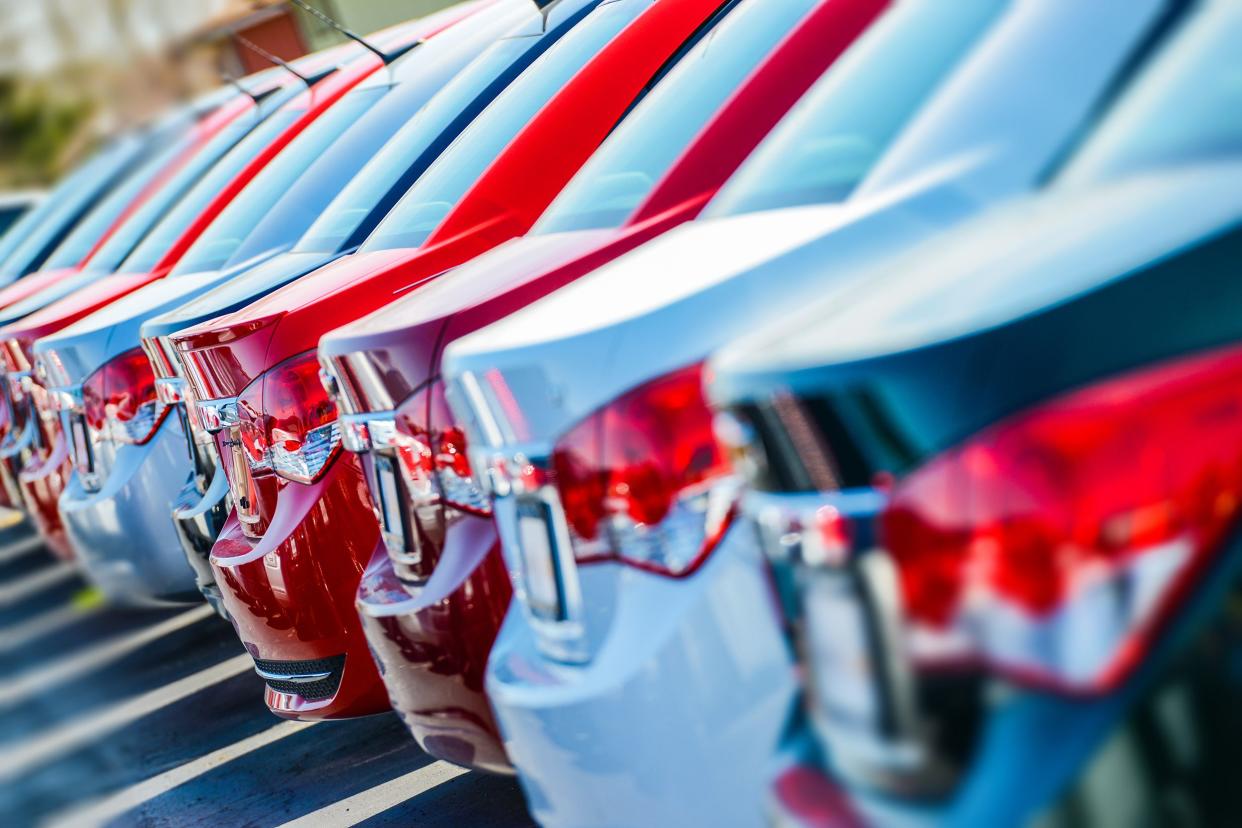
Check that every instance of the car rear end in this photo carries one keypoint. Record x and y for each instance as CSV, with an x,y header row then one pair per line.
x,y
1012,585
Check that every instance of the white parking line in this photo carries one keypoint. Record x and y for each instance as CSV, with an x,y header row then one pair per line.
x,y
44,624
116,805
366,804
34,583
20,548
79,733
39,680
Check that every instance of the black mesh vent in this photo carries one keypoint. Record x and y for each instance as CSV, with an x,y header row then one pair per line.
x,y
322,689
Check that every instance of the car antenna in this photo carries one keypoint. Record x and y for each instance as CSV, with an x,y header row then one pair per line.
x,y
357,38
271,58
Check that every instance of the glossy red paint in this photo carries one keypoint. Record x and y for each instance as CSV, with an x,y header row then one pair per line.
x,y
401,345
433,660
226,354
289,603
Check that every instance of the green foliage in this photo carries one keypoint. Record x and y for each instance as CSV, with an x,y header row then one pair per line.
x,y
36,132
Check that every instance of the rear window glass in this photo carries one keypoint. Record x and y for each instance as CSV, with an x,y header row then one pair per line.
x,y
164,234
833,137
1185,107
646,144
443,185
226,234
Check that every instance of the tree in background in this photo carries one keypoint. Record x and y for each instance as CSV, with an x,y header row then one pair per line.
x,y
40,134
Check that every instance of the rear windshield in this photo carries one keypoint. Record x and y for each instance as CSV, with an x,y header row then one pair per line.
x,y
1185,107
9,215
131,231
236,221
443,185
643,148
391,166
165,234
37,230
91,229
826,145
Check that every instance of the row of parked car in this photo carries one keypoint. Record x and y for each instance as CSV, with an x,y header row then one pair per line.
x,y
714,411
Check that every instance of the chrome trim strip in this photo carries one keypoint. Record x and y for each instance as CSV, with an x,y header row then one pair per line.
x,y
293,678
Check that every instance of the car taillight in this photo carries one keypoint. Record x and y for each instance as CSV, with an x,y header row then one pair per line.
x,y
1051,545
303,434
446,443
120,402
635,479
251,431
286,421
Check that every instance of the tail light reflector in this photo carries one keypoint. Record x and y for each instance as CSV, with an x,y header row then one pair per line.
x,y
1051,545
119,400
635,479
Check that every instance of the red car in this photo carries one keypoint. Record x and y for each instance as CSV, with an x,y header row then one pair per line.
x,y
759,62
39,468
290,559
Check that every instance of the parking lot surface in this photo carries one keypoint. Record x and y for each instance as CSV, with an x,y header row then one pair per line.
x,y
150,718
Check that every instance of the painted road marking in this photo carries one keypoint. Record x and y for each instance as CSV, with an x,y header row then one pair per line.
x,y
20,549
366,804
118,804
39,680
49,622
33,584
79,733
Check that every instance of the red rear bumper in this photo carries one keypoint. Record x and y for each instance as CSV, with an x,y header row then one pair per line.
x,y
291,596
432,642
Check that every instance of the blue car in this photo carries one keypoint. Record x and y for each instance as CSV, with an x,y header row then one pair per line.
x,y
1000,490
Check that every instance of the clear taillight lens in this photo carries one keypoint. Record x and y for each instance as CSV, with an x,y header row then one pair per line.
x,y
635,479
1050,546
119,400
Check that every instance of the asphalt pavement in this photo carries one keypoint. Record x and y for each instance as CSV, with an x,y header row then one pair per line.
x,y
156,718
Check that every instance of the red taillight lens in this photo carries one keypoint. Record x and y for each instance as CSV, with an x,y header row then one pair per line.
x,y
447,441
302,429
287,423
120,401
634,479
431,453
412,443
251,430
1051,545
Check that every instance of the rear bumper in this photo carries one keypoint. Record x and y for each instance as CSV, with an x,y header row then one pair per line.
x,y
431,643
122,533
290,594
676,718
